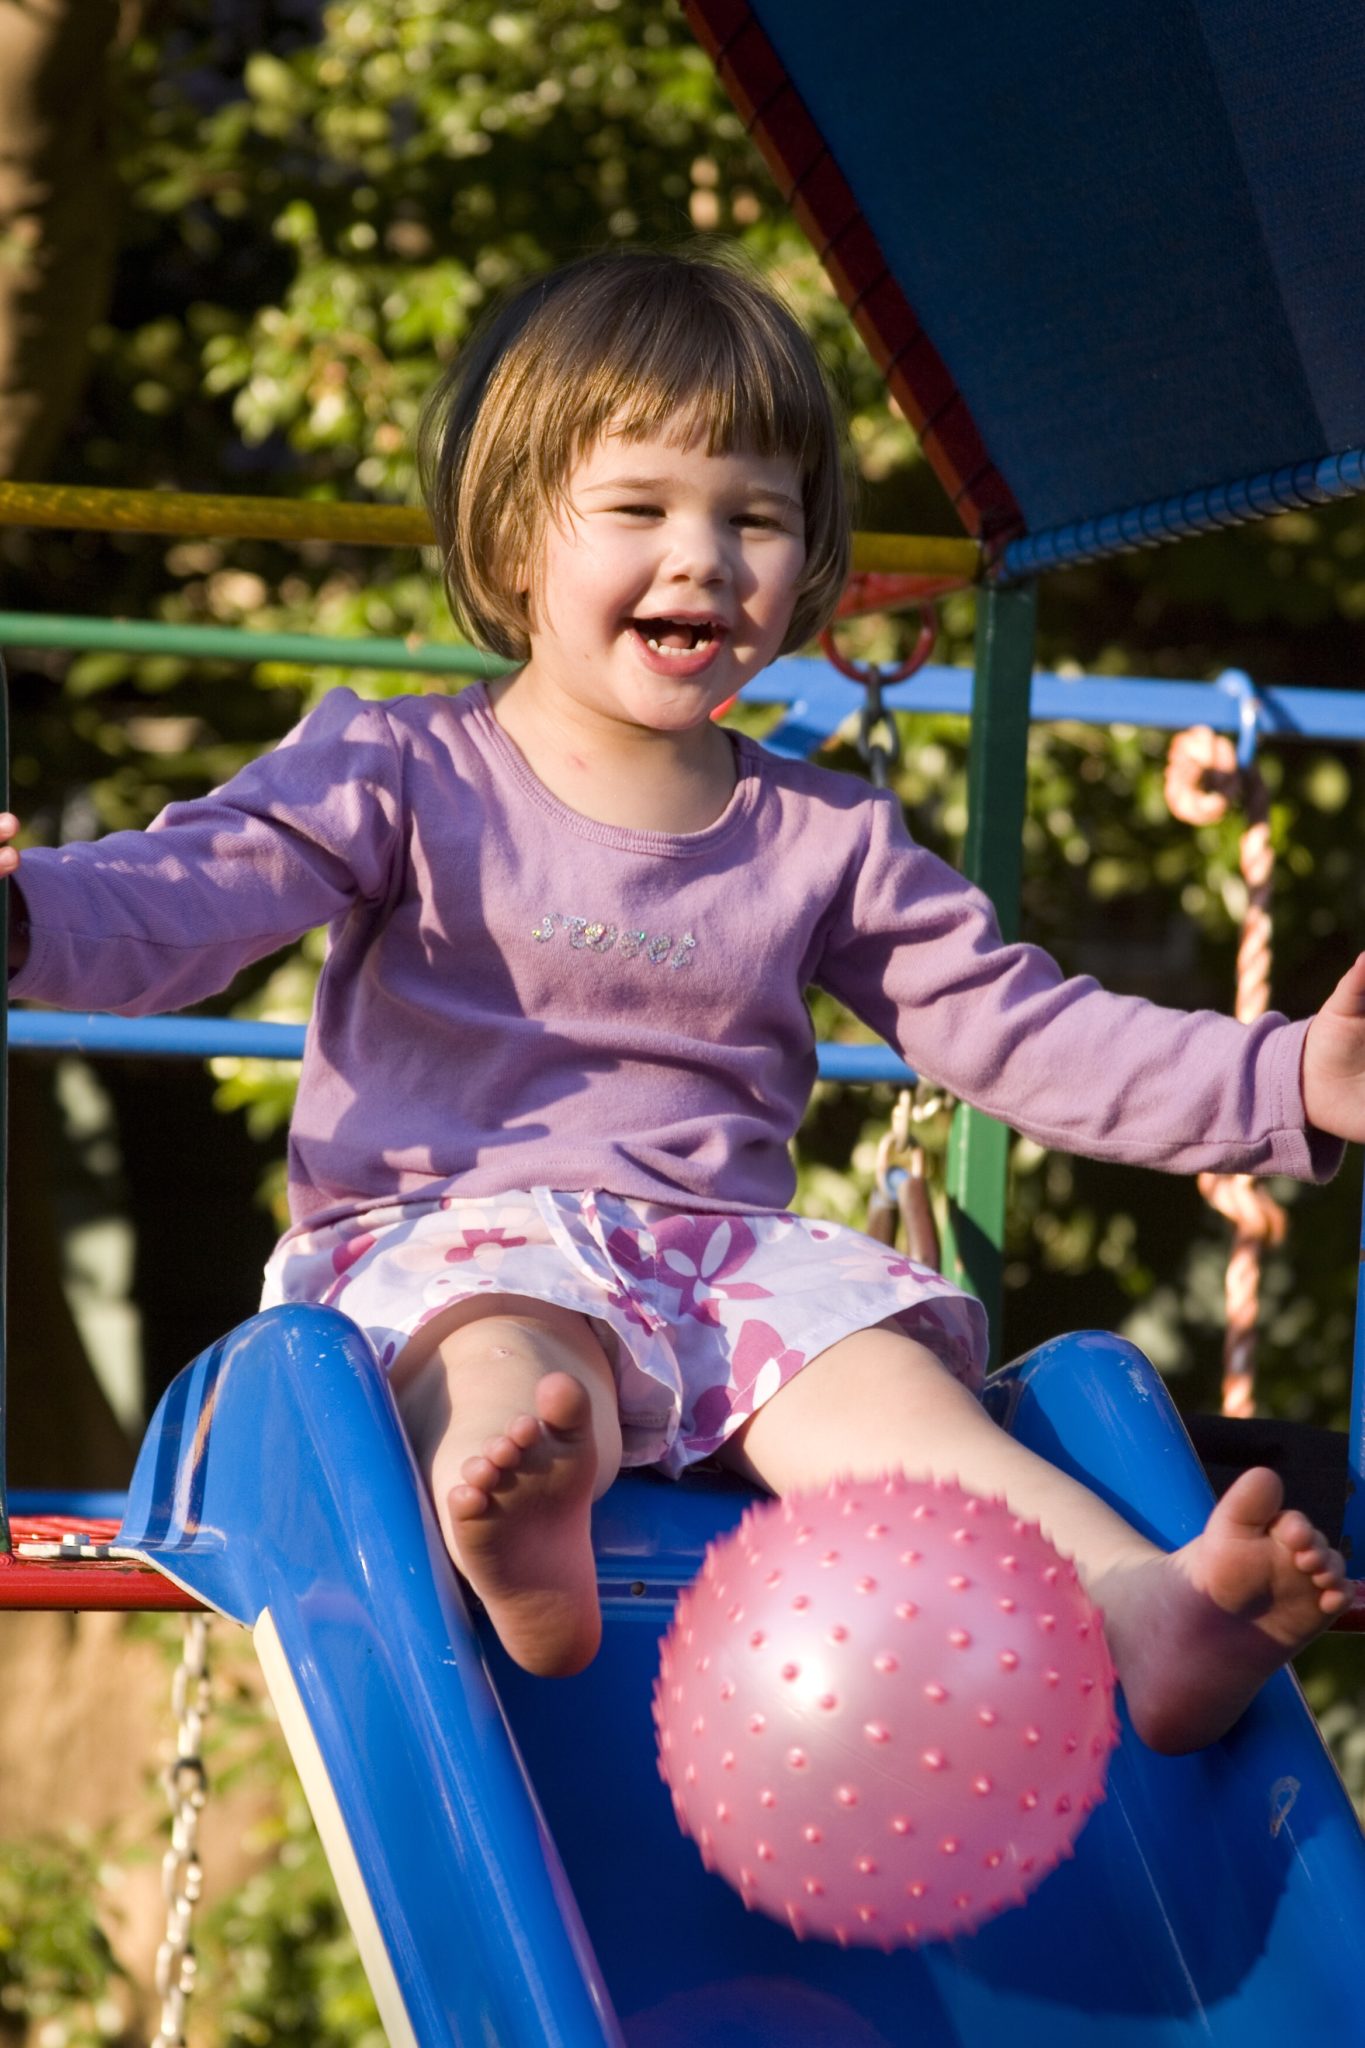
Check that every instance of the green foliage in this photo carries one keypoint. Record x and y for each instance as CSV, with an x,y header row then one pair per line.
x,y
312,221
281,1964
56,1967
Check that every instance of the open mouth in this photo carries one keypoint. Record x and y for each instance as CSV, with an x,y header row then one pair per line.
x,y
676,636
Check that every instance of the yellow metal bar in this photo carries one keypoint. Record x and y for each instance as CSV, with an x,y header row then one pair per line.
x,y
191,514
952,563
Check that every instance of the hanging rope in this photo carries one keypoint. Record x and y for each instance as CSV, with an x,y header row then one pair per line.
x,y
1204,775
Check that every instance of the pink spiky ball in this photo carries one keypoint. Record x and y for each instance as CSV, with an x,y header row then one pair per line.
x,y
884,1711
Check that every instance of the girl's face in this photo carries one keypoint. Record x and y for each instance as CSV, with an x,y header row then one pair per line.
x,y
668,579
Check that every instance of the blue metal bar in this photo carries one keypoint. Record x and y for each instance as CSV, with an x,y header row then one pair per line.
x,y
1143,526
819,700
82,1507
167,1038
204,1038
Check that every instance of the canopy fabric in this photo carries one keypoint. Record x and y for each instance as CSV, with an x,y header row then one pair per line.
x,y
1111,260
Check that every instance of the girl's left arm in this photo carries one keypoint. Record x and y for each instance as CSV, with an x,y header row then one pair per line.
x,y
916,952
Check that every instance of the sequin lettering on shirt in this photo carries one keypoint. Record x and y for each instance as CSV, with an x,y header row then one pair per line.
x,y
593,935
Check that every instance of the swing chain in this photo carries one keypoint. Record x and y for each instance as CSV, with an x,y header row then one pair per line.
x,y
900,1197
913,1106
881,757
182,1875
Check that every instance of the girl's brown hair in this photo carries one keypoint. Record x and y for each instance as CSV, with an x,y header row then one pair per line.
x,y
631,341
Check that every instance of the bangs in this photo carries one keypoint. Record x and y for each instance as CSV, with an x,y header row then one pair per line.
x,y
696,379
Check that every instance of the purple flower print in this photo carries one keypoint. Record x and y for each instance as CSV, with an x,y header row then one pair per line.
x,y
697,1257
759,1365
636,1312
861,1261
480,1244
344,1256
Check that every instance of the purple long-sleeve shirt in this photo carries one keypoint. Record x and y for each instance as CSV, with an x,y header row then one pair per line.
x,y
515,995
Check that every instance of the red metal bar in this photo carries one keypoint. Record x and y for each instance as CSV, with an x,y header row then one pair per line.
x,y
103,1584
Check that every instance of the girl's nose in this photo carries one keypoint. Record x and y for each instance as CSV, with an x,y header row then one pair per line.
x,y
699,551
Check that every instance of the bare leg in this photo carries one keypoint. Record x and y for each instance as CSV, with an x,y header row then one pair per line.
x,y
1194,1634
510,1407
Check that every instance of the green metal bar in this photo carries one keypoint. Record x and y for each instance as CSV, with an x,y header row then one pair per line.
x,y
5,1540
978,1152
230,643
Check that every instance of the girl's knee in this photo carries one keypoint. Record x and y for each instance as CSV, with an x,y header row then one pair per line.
x,y
508,1329
877,1398
475,1374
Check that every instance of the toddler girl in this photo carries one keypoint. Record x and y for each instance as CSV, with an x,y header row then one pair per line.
x,y
560,1046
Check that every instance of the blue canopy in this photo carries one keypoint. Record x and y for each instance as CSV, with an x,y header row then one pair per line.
x,y
1112,260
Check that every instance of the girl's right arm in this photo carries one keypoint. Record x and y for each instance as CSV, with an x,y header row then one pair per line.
x,y
161,918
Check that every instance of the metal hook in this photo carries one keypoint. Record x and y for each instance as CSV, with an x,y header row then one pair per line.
x,y
1250,712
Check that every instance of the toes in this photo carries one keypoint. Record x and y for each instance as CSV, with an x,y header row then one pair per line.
x,y
480,1474
1296,1533
562,1403
1254,1499
467,1503
504,1452
1330,1570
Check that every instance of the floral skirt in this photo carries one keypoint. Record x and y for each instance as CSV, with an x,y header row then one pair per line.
x,y
710,1314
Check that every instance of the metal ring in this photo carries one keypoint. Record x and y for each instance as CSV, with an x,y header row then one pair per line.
x,y
868,672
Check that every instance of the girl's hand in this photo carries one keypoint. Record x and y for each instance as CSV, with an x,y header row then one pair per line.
x,y
9,865
1334,1059
9,855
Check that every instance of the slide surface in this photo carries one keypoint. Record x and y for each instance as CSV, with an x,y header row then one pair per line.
x,y
507,1852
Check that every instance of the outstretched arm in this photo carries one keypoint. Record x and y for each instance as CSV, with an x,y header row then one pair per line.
x,y
917,954
1334,1059
160,919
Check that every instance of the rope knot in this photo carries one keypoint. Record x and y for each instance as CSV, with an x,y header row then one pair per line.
x,y
1247,1205
1202,776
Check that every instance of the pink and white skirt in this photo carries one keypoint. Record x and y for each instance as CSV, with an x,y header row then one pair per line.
x,y
711,1314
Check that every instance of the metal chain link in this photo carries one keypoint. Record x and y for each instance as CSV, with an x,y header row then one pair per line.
x,y
182,1875
880,758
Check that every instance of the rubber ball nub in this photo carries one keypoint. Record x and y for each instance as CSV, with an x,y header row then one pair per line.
x,y
885,1711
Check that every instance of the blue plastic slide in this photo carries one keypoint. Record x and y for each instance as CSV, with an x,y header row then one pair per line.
x,y
504,1846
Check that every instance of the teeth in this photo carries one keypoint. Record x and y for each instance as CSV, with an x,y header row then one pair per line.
x,y
703,634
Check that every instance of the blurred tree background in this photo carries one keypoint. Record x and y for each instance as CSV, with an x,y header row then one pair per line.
x,y
249,235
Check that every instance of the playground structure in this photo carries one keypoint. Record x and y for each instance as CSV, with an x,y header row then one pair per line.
x,y
504,1848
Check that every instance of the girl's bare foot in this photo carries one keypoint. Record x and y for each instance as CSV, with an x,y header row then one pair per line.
x,y
1196,1634
520,1524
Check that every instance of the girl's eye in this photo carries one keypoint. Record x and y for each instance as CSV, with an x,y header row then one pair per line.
x,y
641,511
